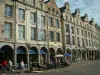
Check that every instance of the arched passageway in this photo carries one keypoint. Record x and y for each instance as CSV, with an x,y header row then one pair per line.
x,y
33,54
43,55
79,54
52,54
21,54
74,55
6,52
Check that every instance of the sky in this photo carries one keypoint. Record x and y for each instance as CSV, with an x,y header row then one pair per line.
x,y
91,7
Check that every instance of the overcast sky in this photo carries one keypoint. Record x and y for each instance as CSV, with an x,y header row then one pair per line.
x,y
91,7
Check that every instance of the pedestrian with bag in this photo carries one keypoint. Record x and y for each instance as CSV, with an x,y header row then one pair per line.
x,y
10,65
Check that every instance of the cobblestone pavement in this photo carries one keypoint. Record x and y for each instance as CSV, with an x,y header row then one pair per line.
x,y
89,68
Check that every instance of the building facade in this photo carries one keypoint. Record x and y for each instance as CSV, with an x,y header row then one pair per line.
x,y
34,30
80,36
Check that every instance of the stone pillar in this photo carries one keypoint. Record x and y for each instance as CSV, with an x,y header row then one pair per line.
x,y
15,59
28,59
39,58
48,58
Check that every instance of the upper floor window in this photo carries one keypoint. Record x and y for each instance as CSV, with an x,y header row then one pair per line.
x,y
66,17
50,21
33,35
21,14
43,35
51,34
56,12
73,40
85,33
72,29
67,39
8,10
58,36
31,2
42,20
57,23
67,27
53,10
41,5
77,31
70,19
8,30
78,41
21,32
32,18
82,32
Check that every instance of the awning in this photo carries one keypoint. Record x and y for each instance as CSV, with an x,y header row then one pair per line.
x,y
32,52
67,54
42,52
59,55
20,51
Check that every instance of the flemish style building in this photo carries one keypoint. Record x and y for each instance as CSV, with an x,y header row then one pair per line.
x,y
34,30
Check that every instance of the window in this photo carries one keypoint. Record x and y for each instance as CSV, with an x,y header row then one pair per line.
x,y
78,41
85,33
32,18
66,18
72,29
7,30
58,36
21,32
57,23
31,2
86,42
56,12
53,10
89,42
82,32
67,27
42,20
67,39
73,40
77,31
41,5
70,19
8,10
82,42
33,33
51,34
21,14
43,35
50,21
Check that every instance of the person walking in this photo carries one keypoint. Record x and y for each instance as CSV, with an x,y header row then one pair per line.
x,y
22,65
4,65
10,65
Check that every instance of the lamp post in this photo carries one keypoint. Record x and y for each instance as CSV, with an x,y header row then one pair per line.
x,y
14,4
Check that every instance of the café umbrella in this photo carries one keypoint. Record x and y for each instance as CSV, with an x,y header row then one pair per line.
x,y
59,55
67,55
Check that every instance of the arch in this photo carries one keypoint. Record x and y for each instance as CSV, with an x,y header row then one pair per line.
x,y
79,54
59,51
43,55
33,54
83,54
21,54
68,51
52,54
73,55
6,52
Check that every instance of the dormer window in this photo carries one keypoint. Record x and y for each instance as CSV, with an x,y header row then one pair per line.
x,y
41,5
49,9
56,12
70,19
66,18
53,10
